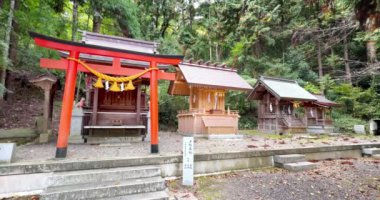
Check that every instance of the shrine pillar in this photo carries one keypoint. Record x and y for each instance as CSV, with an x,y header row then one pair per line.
x,y
67,106
154,108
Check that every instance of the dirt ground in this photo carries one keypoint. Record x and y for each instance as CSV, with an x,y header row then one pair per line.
x,y
332,179
171,144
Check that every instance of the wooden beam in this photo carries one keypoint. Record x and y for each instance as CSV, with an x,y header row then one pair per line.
x,y
106,69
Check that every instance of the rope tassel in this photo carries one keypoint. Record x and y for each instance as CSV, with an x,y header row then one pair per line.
x,y
99,83
115,87
130,86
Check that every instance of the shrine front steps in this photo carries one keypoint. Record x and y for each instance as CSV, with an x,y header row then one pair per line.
x,y
140,183
293,162
371,152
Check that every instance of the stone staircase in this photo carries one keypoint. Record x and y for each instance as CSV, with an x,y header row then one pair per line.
x,y
293,124
140,183
371,152
293,162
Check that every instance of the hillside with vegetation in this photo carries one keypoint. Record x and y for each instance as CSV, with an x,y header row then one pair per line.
x,y
328,46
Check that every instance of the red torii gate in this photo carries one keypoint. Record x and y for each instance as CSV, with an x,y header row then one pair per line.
x,y
75,49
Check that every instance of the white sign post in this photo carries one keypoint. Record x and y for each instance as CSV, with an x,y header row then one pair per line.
x,y
188,161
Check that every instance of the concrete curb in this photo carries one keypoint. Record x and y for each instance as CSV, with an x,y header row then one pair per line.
x,y
70,165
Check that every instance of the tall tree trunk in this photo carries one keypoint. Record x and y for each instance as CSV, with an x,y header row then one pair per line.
x,y
346,64
96,25
8,32
371,26
319,58
13,43
74,28
97,21
371,51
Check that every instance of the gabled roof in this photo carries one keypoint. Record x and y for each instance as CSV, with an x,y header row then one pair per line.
x,y
281,89
323,101
212,76
119,42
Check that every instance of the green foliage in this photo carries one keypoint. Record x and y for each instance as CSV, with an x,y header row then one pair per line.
x,y
260,37
312,88
357,102
345,123
169,107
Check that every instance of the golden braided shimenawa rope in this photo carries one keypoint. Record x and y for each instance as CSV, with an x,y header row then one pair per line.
x,y
111,78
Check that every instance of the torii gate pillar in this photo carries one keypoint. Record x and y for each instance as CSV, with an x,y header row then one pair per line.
x,y
67,106
154,108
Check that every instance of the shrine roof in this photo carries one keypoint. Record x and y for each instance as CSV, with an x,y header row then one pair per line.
x,y
280,88
119,42
64,45
323,101
213,76
43,77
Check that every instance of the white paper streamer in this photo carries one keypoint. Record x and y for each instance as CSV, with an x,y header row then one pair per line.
x,y
107,85
122,87
270,107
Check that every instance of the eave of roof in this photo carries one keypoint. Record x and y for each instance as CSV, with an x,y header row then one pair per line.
x,y
262,81
48,38
213,77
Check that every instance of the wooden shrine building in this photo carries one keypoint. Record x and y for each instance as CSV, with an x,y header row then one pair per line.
x,y
206,85
286,107
120,65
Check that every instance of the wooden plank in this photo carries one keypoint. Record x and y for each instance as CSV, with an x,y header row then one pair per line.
x,y
138,103
95,106
116,127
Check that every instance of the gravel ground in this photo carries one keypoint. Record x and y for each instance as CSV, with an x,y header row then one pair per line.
x,y
171,144
337,179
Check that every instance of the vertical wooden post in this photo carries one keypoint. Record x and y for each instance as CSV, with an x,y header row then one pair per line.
x,y
67,106
277,114
94,117
154,108
191,98
138,103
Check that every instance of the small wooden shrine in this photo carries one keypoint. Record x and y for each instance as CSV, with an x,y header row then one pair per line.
x,y
206,85
286,107
120,65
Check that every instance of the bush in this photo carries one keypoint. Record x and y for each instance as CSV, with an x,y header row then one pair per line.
x,y
345,123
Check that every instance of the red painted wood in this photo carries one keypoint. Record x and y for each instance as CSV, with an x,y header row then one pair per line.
x,y
154,105
67,102
106,69
68,47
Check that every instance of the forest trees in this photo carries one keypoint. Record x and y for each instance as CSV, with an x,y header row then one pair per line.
x,y
316,42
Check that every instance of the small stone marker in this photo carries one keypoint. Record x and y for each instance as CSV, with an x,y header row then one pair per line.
x,y
76,126
188,161
7,151
360,129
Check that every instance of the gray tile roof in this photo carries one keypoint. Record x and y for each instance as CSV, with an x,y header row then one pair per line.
x,y
283,89
215,77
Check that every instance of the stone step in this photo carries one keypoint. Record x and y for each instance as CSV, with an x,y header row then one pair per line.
x,y
299,166
371,151
104,189
160,195
97,175
289,158
376,156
